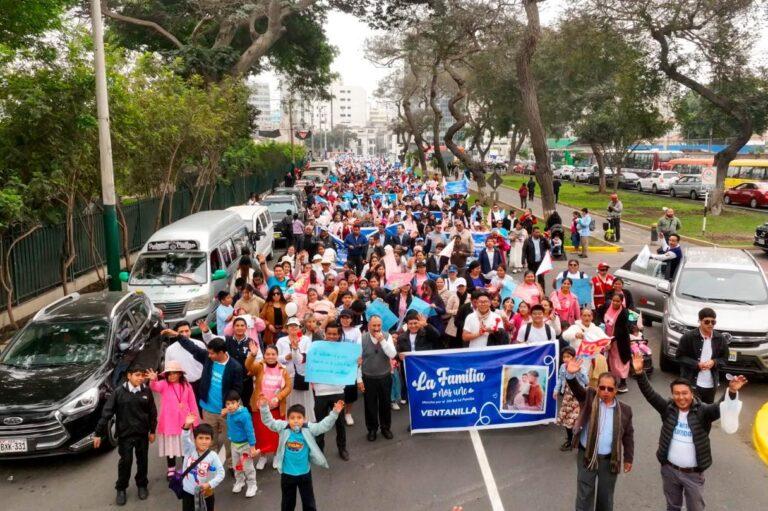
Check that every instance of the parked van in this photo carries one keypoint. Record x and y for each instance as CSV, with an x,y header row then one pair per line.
x,y
183,266
325,166
261,229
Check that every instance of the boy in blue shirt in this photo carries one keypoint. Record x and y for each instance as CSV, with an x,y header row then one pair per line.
x,y
296,448
224,311
243,439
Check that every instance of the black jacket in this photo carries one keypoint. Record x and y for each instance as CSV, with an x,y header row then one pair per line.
x,y
434,267
232,379
627,298
700,419
529,252
428,338
620,330
689,352
135,413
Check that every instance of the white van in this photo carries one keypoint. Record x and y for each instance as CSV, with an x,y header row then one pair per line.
x,y
326,167
260,226
183,266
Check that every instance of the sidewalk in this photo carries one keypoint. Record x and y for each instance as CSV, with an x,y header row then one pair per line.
x,y
632,238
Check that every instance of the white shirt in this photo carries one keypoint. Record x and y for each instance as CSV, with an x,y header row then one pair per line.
x,y
132,389
537,334
296,363
472,325
682,452
705,379
192,368
574,276
412,340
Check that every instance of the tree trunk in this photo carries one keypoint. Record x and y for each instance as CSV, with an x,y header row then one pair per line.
x,y
530,103
484,152
600,159
515,143
437,118
418,137
68,250
166,185
723,158
406,141
124,234
6,278
87,221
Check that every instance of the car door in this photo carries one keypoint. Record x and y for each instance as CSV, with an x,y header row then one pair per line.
x,y
683,186
641,282
269,232
739,193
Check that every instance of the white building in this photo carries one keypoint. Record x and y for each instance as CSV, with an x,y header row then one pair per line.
x,y
349,106
261,99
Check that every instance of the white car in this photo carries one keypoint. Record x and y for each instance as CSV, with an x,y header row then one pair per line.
x,y
581,174
563,172
657,181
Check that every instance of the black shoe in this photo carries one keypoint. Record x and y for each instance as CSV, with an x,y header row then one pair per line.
x,y
372,436
566,446
121,498
143,493
623,389
343,454
231,472
387,434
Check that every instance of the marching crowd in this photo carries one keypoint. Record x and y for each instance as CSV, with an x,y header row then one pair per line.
x,y
392,262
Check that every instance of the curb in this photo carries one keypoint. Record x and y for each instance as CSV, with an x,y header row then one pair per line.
x,y
760,433
612,248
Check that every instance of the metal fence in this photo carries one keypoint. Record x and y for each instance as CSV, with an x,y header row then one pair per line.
x,y
36,261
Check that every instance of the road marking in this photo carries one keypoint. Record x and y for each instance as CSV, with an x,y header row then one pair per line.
x,y
485,468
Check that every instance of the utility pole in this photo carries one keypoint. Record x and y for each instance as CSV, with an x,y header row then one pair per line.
x,y
108,196
290,122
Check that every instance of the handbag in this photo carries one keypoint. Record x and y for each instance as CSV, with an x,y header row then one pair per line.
x,y
729,413
176,484
299,382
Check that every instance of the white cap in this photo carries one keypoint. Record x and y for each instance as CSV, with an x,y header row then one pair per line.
x,y
461,282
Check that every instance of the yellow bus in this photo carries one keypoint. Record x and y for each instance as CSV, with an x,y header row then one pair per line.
x,y
746,171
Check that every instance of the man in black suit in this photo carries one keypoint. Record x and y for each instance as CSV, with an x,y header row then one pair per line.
x,y
534,249
436,262
702,353
420,335
401,238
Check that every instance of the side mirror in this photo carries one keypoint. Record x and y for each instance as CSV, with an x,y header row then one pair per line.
x,y
664,287
124,346
219,275
124,275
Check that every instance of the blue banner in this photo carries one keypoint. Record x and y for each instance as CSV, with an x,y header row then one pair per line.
x,y
582,288
422,307
381,309
457,187
483,388
333,362
478,239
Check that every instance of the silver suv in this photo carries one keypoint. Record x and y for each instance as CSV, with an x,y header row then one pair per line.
x,y
728,280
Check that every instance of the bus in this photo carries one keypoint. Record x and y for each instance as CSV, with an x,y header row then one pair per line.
x,y
691,166
746,171
643,162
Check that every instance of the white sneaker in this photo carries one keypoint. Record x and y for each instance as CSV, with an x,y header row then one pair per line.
x,y
395,406
251,490
261,463
238,487
274,462
348,418
403,401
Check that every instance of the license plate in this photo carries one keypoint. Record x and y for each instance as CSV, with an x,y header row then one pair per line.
x,y
732,356
13,445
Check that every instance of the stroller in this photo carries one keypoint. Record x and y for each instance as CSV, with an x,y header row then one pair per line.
x,y
556,237
638,343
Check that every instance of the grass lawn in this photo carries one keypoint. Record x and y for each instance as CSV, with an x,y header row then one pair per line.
x,y
733,227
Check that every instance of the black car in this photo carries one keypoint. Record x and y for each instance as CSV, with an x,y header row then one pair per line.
x,y
56,372
761,237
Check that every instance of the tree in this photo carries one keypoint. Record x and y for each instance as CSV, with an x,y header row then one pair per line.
x,y
714,32
611,91
21,22
530,104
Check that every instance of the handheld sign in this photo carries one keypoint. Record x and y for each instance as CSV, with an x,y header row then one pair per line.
x,y
333,362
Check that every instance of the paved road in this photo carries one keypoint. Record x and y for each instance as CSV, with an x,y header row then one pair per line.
x,y
427,472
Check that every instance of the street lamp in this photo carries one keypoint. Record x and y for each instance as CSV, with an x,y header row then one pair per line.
x,y
108,198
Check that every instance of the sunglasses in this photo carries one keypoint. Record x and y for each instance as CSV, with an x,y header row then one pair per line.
x,y
572,264
709,321
604,388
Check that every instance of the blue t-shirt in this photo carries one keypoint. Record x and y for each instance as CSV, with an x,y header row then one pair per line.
x,y
222,313
272,282
296,456
213,402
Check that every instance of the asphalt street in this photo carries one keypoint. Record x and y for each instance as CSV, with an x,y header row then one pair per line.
x,y
429,471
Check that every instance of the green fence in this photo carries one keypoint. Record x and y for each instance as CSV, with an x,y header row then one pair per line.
x,y
36,260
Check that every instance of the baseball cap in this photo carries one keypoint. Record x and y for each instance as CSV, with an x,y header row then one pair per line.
x,y
317,257
461,282
602,265
453,269
325,261
293,321
347,312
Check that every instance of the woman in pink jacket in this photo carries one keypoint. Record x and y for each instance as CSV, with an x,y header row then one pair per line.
x,y
565,303
178,401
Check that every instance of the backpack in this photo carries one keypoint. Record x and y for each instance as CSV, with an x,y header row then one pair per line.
x,y
528,332
591,224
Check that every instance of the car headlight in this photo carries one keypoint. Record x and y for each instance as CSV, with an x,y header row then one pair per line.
x,y
81,405
676,326
201,302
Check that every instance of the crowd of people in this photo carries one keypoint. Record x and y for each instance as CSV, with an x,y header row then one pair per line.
x,y
391,262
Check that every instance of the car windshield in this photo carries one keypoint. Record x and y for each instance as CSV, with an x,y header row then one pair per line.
x,y
722,285
278,209
170,268
49,344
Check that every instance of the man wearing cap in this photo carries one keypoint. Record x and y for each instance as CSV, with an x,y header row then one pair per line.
x,y
601,284
317,265
615,207
452,282
435,238
326,271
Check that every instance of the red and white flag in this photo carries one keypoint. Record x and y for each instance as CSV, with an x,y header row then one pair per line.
x,y
545,266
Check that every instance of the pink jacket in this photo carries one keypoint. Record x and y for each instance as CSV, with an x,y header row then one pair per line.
x,y
174,411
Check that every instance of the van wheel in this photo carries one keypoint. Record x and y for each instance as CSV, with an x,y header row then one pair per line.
x,y
672,192
654,189
647,321
666,364
639,187
693,195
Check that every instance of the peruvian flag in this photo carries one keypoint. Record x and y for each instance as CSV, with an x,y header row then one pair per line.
x,y
545,266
